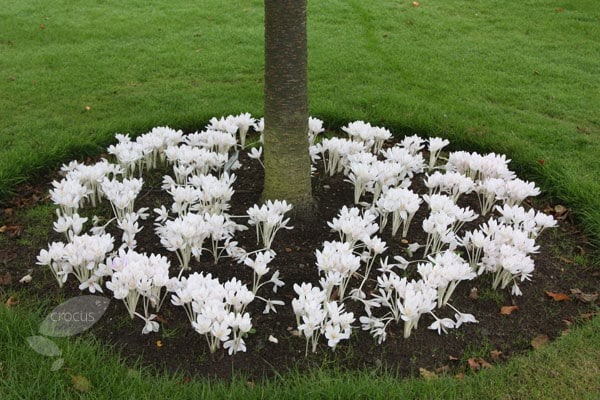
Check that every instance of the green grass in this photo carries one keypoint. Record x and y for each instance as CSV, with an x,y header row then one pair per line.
x,y
519,77
515,76
560,370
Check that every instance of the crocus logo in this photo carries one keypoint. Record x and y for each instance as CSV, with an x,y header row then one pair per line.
x,y
69,318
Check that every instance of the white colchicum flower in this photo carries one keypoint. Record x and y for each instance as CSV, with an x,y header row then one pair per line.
x,y
387,181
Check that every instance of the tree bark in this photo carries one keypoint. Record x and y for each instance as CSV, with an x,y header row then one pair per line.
x,y
287,161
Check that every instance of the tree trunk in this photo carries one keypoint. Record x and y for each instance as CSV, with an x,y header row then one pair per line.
x,y
287,161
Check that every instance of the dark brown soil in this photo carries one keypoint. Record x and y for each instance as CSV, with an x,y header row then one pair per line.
x,y
560,266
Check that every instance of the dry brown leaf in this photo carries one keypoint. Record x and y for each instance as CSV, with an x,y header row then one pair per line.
x,y
427,375
12,230
473,364
584,297
558,296
539,341
495,354
560,210
565,260
484,363
11,302
474,294
507,310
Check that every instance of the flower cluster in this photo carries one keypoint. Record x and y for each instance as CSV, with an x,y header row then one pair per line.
x,y
197,221
382,180
216,310
135,276
268,220
317,316
82,257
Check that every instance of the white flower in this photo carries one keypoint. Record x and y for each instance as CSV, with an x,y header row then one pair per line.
x,y
150,325
277,283
462,318
442,325
270,305
255,153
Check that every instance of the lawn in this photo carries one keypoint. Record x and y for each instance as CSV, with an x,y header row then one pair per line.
x,y
518,77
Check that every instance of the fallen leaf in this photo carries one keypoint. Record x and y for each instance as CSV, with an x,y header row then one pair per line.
x,y
473,364
581,250
484,363
507,310
539,341
560,212
161,319
495,354
3,228
13,230
541,162
8,212
474,294
565,260
81,383
584,297
6,279
427,375
416,4
558,296
11,302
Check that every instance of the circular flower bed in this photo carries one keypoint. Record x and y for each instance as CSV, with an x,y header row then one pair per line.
x,y
382,267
